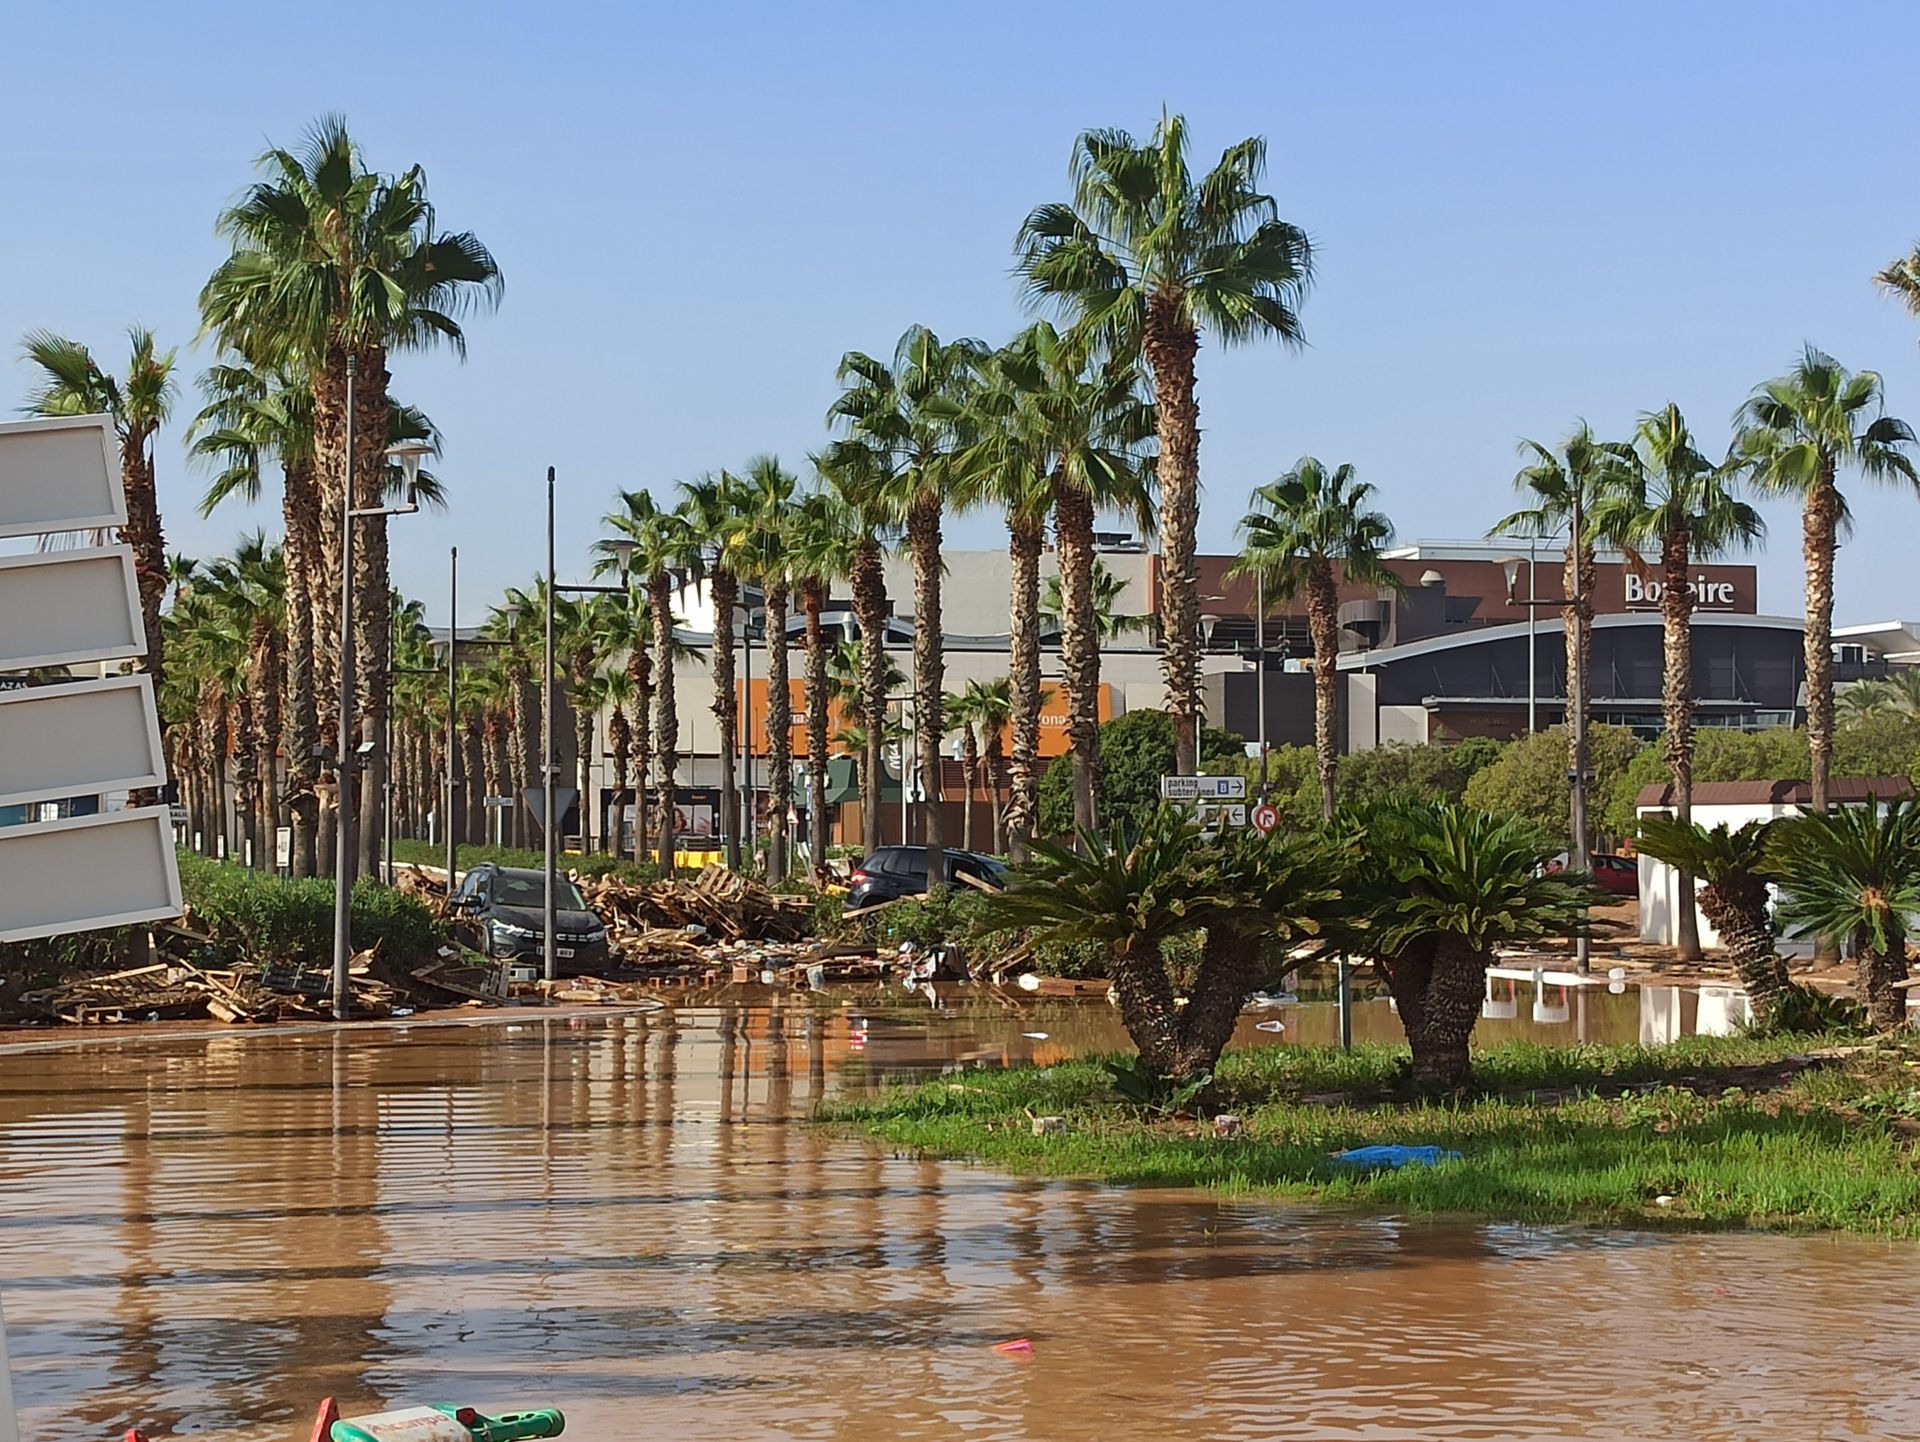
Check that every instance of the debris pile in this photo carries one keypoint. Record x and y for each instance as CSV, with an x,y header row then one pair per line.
x,y
719,919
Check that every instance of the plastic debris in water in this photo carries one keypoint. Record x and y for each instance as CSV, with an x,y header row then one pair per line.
x,y
1018,1347
1269,1026
1034,1035
1394,1155
1027,981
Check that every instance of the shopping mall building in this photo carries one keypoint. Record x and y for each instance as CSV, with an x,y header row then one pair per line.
x,y
1469,644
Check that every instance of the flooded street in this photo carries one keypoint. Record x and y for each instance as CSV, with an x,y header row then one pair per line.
x,y
619,1216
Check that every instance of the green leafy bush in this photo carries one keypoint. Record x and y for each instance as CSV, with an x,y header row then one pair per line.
x,y
259,918
952,916
1136,750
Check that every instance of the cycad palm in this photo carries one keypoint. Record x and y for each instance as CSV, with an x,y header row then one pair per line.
x,y
1797,433
1145,258
1731,865
1301,527
1853,875
909,422
71,383
1671,496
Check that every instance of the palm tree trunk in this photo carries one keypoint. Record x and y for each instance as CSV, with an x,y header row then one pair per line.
x,y
1323,620
1820,522
475,762
1877,975
725,590
300,722
266,669
1170,346
1023,663
373,599
1676,607
1079,647
666,732
813,599
869,604
583,719
929,677
497,764
143,535
525,737
779,735
970,778
620,742
1740,916
240,726
640,672
1437,986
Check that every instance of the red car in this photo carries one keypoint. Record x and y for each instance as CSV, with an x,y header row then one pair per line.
x,y
1618,874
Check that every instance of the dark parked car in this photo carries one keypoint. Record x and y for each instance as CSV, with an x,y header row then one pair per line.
x,y
894,871
1618,874
501,912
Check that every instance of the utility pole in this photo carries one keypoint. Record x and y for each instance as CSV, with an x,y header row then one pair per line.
x,y
451,826
343,751
1579,859
546,754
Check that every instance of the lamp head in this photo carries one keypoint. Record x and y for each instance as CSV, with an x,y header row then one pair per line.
x,y
1511,565
409,454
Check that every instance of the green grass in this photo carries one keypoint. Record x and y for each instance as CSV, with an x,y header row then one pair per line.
x,y
1725,1127
428,854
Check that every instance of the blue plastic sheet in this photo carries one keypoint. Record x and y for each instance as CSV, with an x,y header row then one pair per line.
x,y
1394,1156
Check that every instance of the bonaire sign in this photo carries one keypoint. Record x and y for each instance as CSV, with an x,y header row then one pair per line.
x,y
1646,591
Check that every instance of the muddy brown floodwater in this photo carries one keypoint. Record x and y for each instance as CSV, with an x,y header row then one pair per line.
x,y
622,1216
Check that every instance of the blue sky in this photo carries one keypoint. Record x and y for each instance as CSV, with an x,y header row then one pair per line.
x,y
1523,214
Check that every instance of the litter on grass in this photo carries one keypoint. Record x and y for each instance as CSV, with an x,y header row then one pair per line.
x,y
1390,1156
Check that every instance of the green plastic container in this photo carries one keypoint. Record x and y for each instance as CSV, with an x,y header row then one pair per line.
x,y
444,1422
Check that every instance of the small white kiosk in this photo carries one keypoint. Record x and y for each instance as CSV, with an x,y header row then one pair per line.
x,y
1733,804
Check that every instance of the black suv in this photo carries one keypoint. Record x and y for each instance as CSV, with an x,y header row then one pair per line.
x,y
902,871
501,911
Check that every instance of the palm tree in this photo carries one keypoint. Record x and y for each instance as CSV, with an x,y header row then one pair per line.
x,y
1853,874
520,654
666,550
909,422
1438,889
579,626
1007,467
493,689
766,557
1731,866
333,267
1144,259
1565,486
1104,592
824,545
1084,424
1673,497
991,705
1796,433
960,714
71,383
611,690
1901,280
1300,527
716,507
853,476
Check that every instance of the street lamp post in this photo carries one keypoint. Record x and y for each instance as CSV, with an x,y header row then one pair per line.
x,y
744,618
1579,856
344,749
551,829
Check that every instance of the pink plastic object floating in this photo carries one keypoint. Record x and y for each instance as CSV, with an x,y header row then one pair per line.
x,y
1017,1347
324,1419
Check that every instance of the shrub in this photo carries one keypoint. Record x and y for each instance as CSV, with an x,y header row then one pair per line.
x,y
952,916
258,918
1136,750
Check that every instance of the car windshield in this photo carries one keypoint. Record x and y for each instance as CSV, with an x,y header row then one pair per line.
x,y
528,891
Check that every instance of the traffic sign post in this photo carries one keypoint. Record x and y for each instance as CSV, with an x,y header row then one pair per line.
x,y
1265,818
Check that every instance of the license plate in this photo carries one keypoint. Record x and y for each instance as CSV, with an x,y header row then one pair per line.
x,y
563,951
